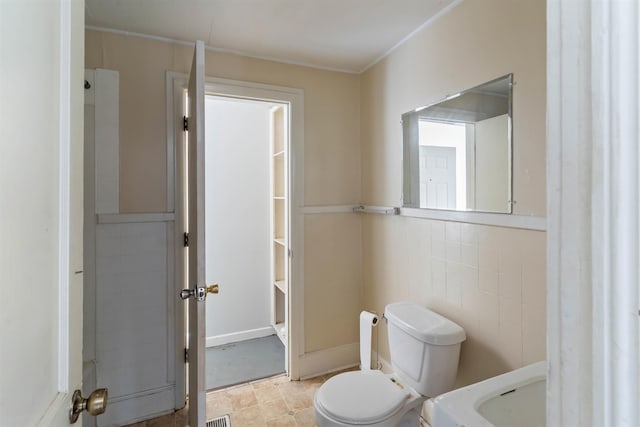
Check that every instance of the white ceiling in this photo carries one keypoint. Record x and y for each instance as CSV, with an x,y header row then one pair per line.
x,y
348,35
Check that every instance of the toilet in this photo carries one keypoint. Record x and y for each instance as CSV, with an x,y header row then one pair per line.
x,y
424,350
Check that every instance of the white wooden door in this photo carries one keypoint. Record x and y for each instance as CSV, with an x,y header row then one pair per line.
x,y
437,177
196,226
41,116
125,254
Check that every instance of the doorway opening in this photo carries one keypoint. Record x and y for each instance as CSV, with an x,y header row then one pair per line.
x,y
246,237
289,323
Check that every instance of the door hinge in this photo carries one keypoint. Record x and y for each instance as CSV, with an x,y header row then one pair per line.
x,y
186,355
185,240
185,123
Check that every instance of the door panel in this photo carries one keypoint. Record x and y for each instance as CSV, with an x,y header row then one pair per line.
x,y
196,227
41,219
134,320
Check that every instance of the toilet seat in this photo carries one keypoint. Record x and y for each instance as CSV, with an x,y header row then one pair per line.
x,y
361,397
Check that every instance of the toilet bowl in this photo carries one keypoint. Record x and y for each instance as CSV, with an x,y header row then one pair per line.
x,y
424,349
369,398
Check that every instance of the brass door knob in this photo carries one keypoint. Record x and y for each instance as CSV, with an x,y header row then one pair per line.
x,y
212,289
95,404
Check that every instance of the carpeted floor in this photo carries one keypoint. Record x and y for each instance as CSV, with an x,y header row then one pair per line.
x,y
244,361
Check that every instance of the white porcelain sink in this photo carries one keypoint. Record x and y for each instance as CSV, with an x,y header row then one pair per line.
x,y
516,398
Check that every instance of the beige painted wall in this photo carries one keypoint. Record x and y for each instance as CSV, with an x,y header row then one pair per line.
x,y
332,154
490,280
331,166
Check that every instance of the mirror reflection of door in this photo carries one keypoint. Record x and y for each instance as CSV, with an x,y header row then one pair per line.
x,y
442,165
437,177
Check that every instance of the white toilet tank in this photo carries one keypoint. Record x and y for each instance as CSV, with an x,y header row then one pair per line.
x,y
424,347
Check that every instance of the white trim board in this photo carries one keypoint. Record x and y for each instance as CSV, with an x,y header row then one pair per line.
x,y
103,95
135,217
240,336
329,360
525,222
107,143
412,34
593,208
65,203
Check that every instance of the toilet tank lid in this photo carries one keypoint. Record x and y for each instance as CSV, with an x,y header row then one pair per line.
x,y
424,324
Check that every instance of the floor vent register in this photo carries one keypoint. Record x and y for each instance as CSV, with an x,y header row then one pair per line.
x,y
223,421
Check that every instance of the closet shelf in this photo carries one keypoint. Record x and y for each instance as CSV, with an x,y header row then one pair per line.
x,y
281,332
279,234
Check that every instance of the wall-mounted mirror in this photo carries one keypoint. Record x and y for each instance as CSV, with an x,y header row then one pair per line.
x,y
457,152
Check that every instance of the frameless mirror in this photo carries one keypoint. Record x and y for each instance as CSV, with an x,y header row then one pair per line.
x,y
457,152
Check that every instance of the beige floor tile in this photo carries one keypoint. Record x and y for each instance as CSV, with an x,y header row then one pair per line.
x,y
248,417
267,392
305,418
182,418
274,409
268,382
218,404
285,421
242,397
299,401
273,402
312,385
164,421
291,387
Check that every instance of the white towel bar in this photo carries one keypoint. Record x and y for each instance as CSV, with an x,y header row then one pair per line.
x,y
385,210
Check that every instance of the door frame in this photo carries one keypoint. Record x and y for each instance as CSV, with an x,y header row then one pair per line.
x,y
106,82
294,98
593,205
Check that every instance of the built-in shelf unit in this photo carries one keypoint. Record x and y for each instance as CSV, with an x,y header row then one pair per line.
x,y
279,221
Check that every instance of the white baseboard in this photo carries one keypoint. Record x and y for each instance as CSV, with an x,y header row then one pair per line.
x,y
329,360
239,336
383,365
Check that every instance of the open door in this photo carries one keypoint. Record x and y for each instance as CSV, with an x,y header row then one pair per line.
x,y
196,291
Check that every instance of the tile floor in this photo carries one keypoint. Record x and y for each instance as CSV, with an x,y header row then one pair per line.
x,y
274,401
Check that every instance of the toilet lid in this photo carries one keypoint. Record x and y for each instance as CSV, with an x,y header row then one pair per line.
x,y
361,397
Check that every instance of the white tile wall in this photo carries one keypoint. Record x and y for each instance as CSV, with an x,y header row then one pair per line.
x,y
490,280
